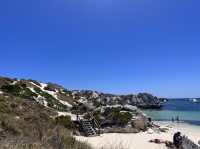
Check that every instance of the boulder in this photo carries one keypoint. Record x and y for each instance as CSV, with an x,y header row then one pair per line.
x,y
140,123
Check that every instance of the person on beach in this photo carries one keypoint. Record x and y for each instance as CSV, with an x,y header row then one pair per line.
x,y
177,140
172,119
177,119
77,117
150,123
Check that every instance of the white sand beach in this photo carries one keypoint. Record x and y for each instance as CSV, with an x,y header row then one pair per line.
x,y
141,140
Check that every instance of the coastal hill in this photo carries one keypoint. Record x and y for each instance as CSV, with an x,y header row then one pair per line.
x,y
43,114
56,96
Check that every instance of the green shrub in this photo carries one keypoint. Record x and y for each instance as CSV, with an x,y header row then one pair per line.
x,y
13,89
96,115
79,109
52,102
10,125
18,90
38,90
119,118
50,87
35,82
124,118
27,93
41,135
9,103
67,92
4,107
64,121
97,103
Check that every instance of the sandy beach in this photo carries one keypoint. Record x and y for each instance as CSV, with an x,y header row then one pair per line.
x,y
141,140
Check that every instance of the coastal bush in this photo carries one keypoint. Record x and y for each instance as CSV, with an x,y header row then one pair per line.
x,y
68,92
35,82
117,117
124,118
79,109
23,85
27,93
4,107
38,90
64,121
9,124
43,145
97,103
50,87
36,130
13,89
52,102
55,138
19,90
97,115
8,104
24,124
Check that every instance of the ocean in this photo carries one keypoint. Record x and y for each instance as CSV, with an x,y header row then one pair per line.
x,y
187,111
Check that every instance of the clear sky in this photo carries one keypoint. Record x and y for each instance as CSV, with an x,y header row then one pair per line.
x,y
117,46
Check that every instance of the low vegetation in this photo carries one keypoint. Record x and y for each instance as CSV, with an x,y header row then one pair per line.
x,y
64,121
28,114
115,115
50,87
52,102
12,89
19,90
35,82
24,124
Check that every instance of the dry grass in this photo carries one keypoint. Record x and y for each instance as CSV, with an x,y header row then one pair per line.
x,y
56,137
28,125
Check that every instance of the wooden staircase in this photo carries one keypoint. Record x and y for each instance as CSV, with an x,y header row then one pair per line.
x,y
88,128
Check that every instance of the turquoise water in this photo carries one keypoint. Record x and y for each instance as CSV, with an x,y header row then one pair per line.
x,y
185,109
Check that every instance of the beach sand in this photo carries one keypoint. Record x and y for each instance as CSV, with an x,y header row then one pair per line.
x,y
141,140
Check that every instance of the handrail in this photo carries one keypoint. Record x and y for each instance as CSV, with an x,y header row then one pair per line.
x,y
95,121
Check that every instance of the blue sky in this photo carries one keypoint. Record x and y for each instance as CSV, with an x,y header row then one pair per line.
x,y
116,46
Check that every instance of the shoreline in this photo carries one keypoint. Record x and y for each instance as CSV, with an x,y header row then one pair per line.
x,y
141,140
189,122
190,130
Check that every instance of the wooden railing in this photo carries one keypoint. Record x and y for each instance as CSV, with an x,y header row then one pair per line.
x,y
96,123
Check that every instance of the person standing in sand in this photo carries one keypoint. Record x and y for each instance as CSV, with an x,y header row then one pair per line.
x,y
172,119
177,119
177,140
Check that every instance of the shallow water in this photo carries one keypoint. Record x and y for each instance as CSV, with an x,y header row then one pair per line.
x,y
185,109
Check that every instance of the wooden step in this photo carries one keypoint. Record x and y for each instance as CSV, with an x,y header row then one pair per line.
x,y
88,128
